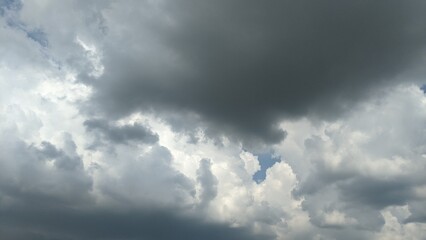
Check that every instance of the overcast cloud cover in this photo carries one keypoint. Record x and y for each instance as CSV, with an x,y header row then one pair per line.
x,y
153,119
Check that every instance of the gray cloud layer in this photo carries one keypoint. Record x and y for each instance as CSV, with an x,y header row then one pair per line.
x,y
119,134
67,223
242,65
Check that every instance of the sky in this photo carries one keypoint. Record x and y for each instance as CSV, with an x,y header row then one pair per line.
x,y
225,119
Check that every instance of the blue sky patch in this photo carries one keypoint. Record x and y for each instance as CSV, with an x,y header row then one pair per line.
x,y
266,160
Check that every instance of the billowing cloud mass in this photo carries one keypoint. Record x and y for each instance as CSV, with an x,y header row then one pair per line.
x,y
185,119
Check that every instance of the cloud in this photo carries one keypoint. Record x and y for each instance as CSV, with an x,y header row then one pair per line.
x,y
364,164
240,66
41,176
106,224
145,119
46,192
207,181
143,178
120,134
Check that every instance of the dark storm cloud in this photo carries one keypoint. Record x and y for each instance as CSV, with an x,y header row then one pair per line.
x,y
121,134
242,65
94,223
